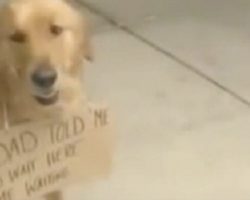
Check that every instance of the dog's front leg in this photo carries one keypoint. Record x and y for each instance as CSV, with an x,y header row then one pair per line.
x,y
57,195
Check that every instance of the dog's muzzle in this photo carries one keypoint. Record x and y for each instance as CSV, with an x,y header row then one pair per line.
x,y
44,80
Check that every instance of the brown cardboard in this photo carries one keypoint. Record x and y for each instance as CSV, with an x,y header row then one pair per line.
x,y
38,158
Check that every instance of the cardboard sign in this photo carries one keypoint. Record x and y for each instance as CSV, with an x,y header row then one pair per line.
x,y
39,158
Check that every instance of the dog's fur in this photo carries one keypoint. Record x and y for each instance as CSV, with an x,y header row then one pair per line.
x,y
27,40
65,53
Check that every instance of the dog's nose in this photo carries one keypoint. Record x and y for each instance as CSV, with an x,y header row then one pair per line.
x,y
44,78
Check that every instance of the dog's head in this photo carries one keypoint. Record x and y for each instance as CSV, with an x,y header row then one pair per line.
x,y
44,43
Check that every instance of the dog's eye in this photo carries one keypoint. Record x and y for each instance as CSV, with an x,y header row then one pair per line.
x,y
56,30
18,37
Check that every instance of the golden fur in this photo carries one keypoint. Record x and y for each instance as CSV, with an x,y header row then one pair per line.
x,y
19,58
66,52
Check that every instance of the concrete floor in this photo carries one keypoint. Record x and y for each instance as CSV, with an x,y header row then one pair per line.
x,y
177,79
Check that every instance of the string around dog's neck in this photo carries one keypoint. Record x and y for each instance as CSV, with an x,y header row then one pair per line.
x,y
6,123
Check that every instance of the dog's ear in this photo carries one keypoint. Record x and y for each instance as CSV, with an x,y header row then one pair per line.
x,y
89,52
85,31
88,48
86,37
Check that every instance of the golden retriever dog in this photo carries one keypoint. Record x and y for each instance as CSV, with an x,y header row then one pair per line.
x,y
43,44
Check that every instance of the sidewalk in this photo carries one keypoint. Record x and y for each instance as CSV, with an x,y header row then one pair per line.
x,y
179,87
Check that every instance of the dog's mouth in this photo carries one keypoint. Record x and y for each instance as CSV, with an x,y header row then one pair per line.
x,y
48,100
